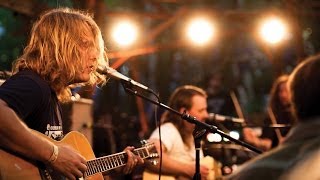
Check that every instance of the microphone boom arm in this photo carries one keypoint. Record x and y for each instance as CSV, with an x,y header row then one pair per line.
x,y
193,120
106,70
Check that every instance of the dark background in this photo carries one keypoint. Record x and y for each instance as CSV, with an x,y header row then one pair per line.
x,y
162,61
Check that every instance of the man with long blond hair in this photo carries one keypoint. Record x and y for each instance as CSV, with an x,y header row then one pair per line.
x,y
65,48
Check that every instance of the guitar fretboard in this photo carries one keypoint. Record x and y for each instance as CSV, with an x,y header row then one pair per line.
x,y
107,163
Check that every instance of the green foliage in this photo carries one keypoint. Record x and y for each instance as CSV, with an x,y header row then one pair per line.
x,y
58,3
111,3
235,55
12,35
11,42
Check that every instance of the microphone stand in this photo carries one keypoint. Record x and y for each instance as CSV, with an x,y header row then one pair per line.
x,y
197,135
199,125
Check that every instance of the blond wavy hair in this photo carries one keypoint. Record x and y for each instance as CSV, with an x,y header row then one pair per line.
x,y
53,50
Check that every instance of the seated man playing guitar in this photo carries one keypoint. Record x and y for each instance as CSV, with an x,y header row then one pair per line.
x,y
178,149
65,48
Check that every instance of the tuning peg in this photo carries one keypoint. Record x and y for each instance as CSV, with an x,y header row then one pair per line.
x,y
144,142
154,155
154,162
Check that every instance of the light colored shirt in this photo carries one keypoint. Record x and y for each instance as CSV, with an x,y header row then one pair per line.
x,y
173,142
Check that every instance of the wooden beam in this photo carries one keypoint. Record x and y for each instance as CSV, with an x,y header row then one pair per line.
x,y
161,16
151,36
27,7
142,51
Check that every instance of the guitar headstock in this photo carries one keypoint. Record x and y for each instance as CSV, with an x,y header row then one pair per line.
x,y
151,150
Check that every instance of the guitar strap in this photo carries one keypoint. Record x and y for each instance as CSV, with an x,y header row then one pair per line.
x,y
59,115
44,173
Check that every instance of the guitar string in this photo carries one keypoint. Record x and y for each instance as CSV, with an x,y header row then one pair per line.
x,y
110,162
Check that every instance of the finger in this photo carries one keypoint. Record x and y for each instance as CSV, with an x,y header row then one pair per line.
x,y
77,173
130,157
83,160
129,148
126,170
83,168
131,162
130,166
70,176
140,160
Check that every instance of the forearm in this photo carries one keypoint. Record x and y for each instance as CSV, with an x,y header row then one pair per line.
x,y
179,168
16,136
172,167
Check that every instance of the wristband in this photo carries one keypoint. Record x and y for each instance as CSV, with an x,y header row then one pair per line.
x,y
54,155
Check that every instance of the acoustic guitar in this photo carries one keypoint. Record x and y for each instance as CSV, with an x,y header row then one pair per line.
x,y
16,167
209,162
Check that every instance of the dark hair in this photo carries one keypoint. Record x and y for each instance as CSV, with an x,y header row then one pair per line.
x,y
304,89
275,102
181,98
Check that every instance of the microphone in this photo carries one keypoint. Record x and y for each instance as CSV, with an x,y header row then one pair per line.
x,y
106,70
218,117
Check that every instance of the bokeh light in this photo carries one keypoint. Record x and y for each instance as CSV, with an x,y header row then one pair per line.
x,y
200,31
214,137
124,33
273,30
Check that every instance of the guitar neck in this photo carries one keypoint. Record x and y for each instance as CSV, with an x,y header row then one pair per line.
x,y
113,161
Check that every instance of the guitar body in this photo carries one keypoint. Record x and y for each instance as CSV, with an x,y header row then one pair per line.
x,y
14,167
209,162
153,176
80,143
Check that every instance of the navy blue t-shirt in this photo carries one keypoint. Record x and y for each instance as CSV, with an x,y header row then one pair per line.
x,y
34,102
